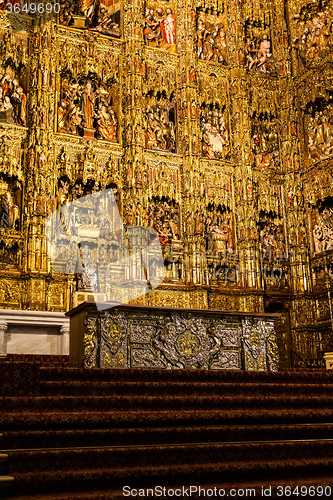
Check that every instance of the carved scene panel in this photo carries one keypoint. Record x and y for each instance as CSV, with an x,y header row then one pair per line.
x,y
89,107
312,33
258,53
160,114
318,127
264,129
214,114
13,77
212,42
104,18
160,23
321,225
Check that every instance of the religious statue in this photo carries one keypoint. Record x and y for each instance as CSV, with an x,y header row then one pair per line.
x,y
315,39
160,132
160,27
318,239
258,54
211,39
9,212
87,105
69,110
323,232
319,128
152,29
66,13
174,224
168,26
271,237
265,145
87,8
108,21
215,135
19,102
83,110
106,123
13,101
5,104
88,279
164,218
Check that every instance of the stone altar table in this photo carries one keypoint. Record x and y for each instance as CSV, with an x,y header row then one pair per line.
x,y
129,336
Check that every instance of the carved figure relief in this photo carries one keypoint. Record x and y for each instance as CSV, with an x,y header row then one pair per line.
x,y
13,79
215,133
211,36
216,226
10,201
85,106
258,48
163,215
214,122
271,236
9,212
319,129
160,24
100,17
264,131
160,117
314,38
323,230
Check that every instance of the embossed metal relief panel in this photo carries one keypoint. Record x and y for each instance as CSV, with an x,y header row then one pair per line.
x,y
174,339
227,360
141,333
145,358
113,335
230,336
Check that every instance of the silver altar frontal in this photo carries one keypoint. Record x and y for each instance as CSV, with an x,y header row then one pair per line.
x,y
129,336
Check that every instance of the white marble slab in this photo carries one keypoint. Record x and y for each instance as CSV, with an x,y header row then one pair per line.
x,y
33,332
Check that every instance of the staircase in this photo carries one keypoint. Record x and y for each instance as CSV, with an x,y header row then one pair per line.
x,y
71,433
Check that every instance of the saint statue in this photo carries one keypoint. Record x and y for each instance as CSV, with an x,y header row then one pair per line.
x,y
87,7
9,212
168,26
107,124
87,105
89,271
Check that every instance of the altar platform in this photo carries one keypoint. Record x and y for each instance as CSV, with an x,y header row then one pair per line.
x,y
131,336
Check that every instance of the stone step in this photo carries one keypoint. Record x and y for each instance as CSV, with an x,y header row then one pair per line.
x,y
6,486
162,403
110,388
90,437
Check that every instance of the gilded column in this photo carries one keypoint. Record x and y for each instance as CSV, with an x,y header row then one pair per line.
x,y
241,83
39,200
134,164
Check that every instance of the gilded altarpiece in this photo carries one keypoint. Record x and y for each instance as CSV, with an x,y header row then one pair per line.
x,y
210,122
